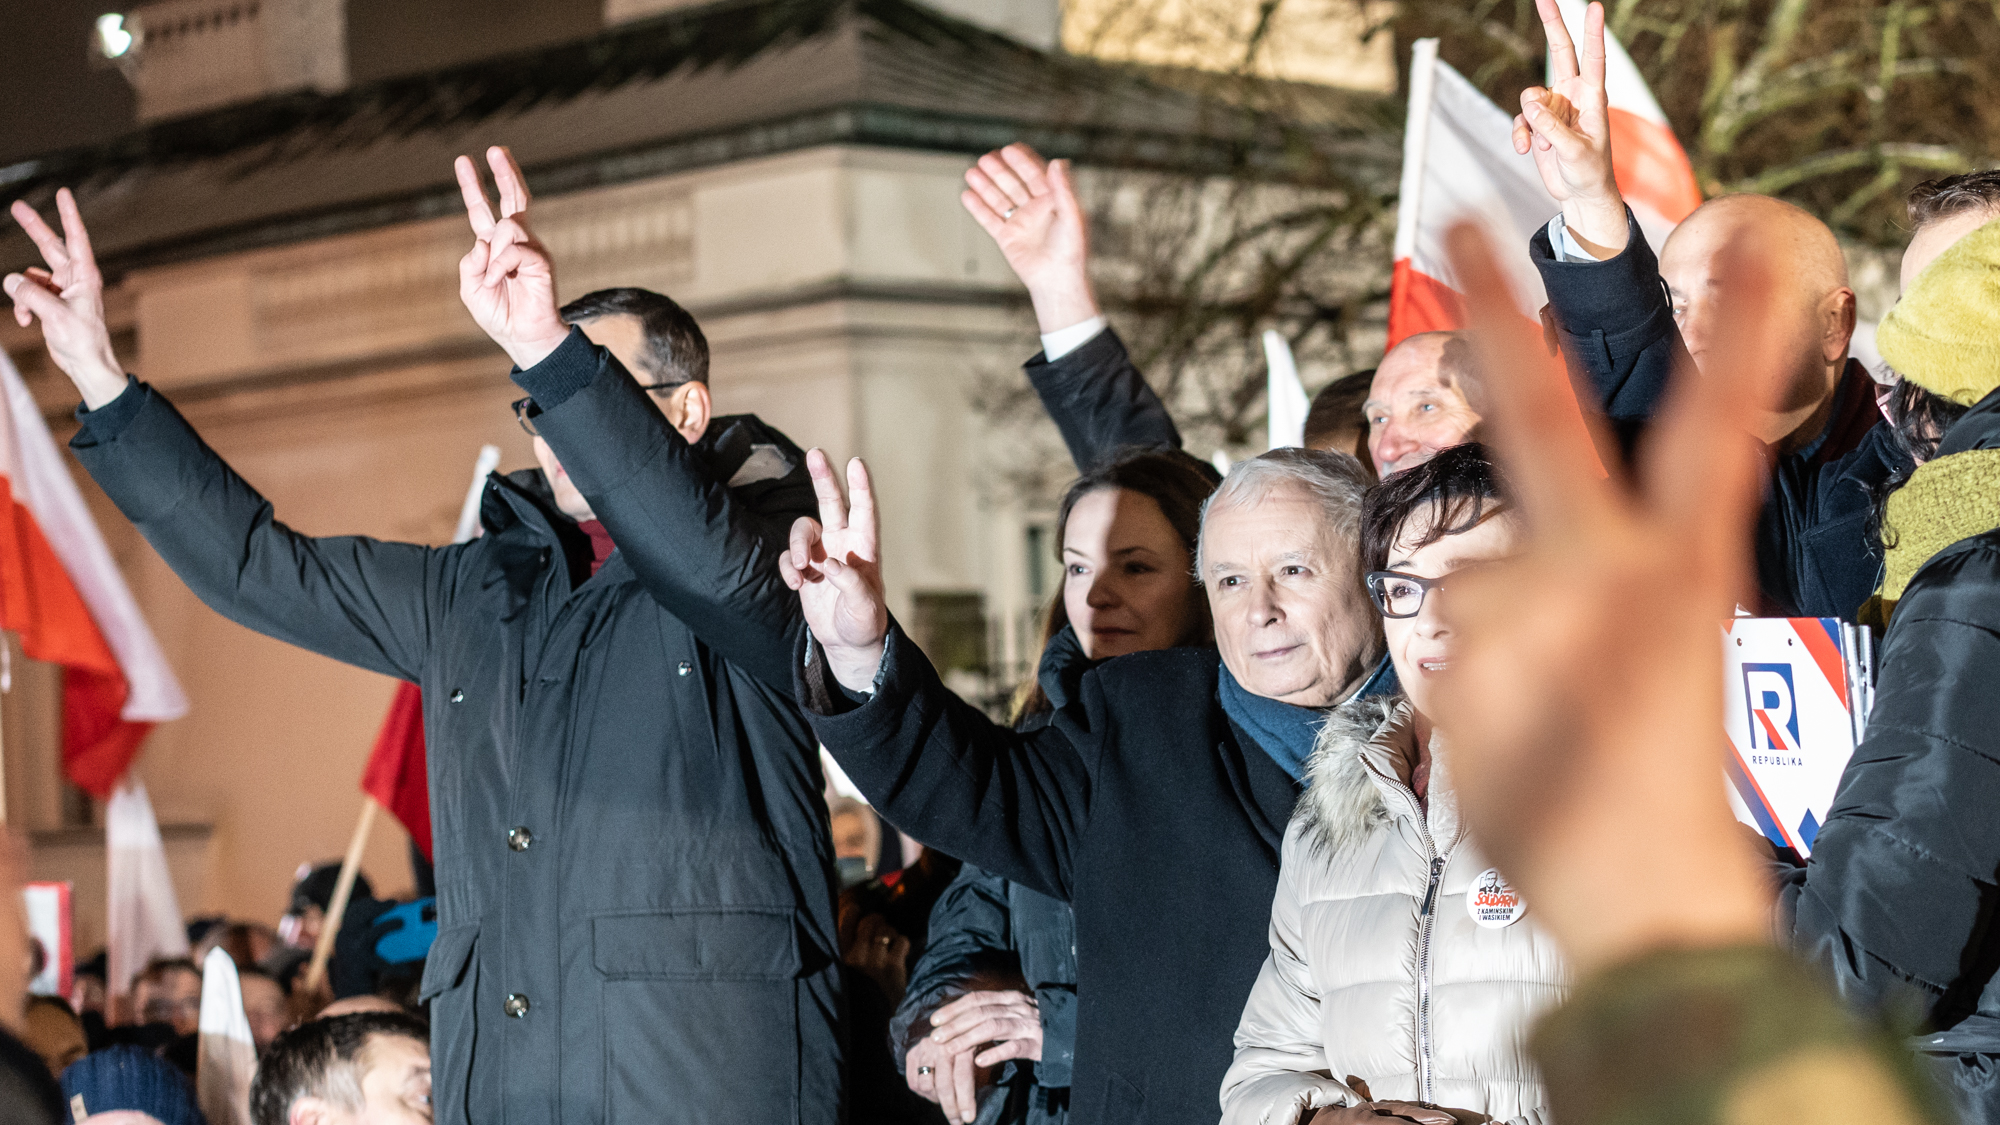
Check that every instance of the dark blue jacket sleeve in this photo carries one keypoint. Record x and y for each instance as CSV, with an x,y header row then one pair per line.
x,y
937,768
1100,402
363,601
969,933
704,555
1615,324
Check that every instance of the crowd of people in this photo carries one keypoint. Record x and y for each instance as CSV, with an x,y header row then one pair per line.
x,y
1377,779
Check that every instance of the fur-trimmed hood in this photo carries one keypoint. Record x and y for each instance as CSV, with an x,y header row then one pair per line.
x,y
1352,761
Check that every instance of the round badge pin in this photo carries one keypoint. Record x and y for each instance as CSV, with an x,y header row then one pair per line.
x,y
1492,902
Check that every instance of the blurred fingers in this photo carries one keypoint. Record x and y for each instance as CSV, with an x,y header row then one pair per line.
x,y
982,213
1007,1051
1028,165
1062,185
1534,421
1004,178
989,193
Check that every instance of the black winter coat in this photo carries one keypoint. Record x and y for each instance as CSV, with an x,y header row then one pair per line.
x,y
986,925
1899,897
1100,402
1815,555
1142,806
630,839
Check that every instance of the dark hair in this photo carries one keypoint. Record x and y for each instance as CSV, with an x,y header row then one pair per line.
x,y
1174,480
1461,483
157,969
676,351
1918,419
1337,407
302,1062
1954,195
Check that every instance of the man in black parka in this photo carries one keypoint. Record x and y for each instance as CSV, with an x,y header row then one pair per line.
x,y
635,896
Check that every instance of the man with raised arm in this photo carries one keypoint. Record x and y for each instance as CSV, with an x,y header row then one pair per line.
x,y
635,896
1625,320
1417,404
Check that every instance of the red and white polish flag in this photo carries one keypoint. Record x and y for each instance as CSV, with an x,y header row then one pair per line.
x,y
62,593
1459,164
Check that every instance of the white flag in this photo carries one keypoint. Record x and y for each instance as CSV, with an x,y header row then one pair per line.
x,y
142,916
228,1054
1285,398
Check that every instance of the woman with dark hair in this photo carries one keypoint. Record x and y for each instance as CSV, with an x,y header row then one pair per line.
x,y
1402,977
995,989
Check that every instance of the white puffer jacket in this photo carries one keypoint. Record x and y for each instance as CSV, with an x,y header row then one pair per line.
x,y
1363,982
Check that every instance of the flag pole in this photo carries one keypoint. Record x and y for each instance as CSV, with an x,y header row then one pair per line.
x,y
336,908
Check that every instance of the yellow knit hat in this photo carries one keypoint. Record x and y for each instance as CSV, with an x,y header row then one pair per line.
x,y
1944,335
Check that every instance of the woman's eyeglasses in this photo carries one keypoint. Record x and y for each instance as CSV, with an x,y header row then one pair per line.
x,y
1400,595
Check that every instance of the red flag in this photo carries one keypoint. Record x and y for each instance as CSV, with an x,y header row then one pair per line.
x,y
395,773
61,591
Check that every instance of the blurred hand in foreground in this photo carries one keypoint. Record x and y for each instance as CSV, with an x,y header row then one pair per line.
x,y
1584,711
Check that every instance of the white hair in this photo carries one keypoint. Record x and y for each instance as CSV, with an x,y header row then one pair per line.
x,y
1336,480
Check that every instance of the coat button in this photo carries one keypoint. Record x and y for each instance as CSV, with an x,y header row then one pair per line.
x,y
516,1005
457,696
684,668
519,838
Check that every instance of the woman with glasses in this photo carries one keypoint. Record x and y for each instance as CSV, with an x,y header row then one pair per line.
x,y
1404,971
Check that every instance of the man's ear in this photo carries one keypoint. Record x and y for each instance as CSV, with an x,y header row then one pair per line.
x,y
694,408
311,1110
1840,318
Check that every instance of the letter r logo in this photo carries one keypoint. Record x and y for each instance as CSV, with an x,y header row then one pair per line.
x,y
1774,717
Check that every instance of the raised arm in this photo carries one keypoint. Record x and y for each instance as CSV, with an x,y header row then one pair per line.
x,y
701,551
1085,378
354,599
935,765
1603,282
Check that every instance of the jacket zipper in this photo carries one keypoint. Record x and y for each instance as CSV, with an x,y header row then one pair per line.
x,y
1425,918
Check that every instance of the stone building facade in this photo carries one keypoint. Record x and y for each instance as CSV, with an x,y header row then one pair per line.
x,y
282,253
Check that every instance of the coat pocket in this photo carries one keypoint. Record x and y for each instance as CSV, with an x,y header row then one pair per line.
x,y
700,1014
451,980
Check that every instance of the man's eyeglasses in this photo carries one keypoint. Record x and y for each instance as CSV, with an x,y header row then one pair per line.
x,y
521,405
1400,595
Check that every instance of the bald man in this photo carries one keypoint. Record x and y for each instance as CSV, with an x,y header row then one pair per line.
x,y
1626,319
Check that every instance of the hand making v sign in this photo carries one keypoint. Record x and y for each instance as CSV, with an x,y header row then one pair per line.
x,y
507,280
1567,126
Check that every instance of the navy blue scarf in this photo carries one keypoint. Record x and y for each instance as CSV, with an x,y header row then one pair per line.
x,y
1285,732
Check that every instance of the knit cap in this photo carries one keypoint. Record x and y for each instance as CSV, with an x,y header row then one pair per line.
x,y
1944,335
127,1077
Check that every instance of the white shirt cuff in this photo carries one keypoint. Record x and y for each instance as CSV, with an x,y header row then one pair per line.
x,y
1567,248
1063,341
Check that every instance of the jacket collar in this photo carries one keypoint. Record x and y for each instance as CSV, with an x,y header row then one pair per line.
x,y
1358,778
1062,667
1979,428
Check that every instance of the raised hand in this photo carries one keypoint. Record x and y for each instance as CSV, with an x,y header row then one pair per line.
x,y
1567,126
507,280
1583,706
1029,206
834,563
68,298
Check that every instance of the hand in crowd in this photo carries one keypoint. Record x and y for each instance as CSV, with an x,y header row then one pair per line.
x,y
507,280
1567,126
1582,704
1030,208
969,1037
949,1078
68,298
1377,1113
835,565
880,951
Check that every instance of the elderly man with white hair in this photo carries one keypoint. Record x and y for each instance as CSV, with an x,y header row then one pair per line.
x,y
1156,802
